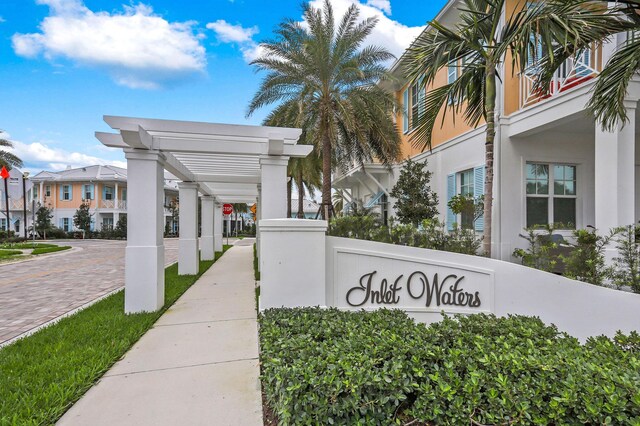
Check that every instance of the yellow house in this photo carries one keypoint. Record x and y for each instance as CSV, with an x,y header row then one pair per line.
x,y
104,188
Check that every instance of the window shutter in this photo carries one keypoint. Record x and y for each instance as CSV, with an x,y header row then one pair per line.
x,y
70,192
104,192
451,192
61,192
93,191
405,111
478,190
61,220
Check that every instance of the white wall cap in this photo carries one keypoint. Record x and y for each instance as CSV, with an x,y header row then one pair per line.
x,y
293,225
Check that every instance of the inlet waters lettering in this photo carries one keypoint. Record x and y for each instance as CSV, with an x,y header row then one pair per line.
x,y
448,292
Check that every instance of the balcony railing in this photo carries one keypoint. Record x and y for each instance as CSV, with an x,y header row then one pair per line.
x,y
113,204
14,205
572,73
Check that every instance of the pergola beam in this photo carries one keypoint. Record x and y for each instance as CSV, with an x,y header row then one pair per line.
x,y
289,135
214,178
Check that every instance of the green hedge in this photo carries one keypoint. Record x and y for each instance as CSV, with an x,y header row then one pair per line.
x,y
364,368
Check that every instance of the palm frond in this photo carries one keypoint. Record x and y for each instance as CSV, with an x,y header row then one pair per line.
x,y
608,95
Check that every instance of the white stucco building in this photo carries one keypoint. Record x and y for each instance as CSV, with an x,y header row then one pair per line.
x,y
553,163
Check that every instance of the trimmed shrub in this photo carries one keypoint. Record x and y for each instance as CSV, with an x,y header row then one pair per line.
x,y
361,368
431,234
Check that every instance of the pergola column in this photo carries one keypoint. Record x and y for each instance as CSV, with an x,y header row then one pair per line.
x,y
144,255
615,174
273,190
188,262
217,227
206,240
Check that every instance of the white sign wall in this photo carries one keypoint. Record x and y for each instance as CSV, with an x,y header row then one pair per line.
x,y
369,280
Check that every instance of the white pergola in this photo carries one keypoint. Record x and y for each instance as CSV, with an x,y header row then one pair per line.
x,y
222,163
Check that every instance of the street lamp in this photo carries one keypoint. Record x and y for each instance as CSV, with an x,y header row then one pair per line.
x,y
25,176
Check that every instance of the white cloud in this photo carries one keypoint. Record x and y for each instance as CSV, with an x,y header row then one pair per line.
x,y
392,35
138,48
383,5
229,33
243,37
40,155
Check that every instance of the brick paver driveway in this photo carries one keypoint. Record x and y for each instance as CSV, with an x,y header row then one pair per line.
x,y
37,291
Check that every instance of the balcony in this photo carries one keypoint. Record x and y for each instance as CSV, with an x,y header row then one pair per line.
x,y
14,205
113,204
573,72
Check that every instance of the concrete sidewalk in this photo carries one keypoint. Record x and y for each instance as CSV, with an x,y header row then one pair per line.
x,y
198,365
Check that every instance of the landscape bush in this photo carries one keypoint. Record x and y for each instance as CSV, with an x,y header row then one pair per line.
x,y
325,366
431,234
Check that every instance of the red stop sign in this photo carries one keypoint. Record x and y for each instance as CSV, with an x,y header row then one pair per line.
x,y
227,209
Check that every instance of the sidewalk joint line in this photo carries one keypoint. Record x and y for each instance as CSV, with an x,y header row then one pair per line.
x,y
180,367
205,322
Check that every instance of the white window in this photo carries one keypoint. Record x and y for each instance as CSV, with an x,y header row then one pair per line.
x,y
47,190
87,191
66,192
34,192
66,224
551,195
108,193
469,183
3,224
467,189
452,76
107,223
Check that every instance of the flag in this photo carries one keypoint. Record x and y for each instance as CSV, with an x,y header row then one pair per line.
x,y
4,172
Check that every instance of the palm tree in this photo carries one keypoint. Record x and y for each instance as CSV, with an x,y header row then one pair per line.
x,y
320,66
479,45
8,159
239,208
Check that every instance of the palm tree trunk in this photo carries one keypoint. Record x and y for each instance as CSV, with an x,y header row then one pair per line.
x,y
300,185
490,109
326,171
289,185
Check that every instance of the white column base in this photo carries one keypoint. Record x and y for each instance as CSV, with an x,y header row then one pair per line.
x,y
188,262
207,251
144,291
285,278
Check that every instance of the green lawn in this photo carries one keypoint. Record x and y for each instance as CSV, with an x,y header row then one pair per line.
x,y
42,375
26,245
43,250
9,253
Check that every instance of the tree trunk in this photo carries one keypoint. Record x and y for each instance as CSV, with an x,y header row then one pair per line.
x,y
490,109
326,171
289,185
300,186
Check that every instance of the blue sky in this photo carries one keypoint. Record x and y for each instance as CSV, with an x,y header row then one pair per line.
x,y
66,63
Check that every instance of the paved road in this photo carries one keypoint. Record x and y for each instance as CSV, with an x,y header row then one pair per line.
x,y
35,292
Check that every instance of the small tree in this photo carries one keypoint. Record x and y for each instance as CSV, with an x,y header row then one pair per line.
x,y
415,199
467,205
626,266
121,227
43,219
586,261
82,218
